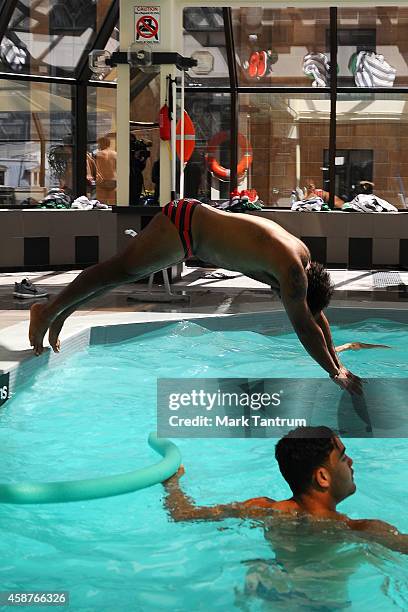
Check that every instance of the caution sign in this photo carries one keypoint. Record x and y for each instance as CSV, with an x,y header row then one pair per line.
x,y
147,24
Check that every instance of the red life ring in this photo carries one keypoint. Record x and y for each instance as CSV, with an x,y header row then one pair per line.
x,y
164,123
189,137
215,167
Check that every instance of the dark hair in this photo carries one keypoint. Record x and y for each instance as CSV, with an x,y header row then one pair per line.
x,y
319,287
300,452
366,187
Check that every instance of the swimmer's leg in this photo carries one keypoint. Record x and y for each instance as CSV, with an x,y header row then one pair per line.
x,y
158,246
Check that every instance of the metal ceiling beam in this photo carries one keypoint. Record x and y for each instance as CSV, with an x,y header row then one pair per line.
x,y
233,76
5,16
333,105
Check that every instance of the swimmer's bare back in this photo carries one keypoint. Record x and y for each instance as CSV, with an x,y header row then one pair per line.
x,y
250,244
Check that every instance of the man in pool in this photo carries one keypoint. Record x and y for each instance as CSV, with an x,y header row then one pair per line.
x,y
314,463
249,244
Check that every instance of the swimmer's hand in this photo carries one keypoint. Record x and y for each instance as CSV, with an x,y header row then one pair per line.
x,y
180,472
176,477
348,381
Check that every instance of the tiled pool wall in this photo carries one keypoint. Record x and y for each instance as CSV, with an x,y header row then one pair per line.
x,y
274,322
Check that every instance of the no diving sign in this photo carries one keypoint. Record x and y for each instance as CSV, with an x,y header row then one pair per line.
x,y
147,24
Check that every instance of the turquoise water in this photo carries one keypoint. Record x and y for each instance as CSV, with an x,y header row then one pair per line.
x,y
91,417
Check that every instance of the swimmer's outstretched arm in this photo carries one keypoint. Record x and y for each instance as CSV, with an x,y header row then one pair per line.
x,y
356,346
313,331
323,323
181,507
382,533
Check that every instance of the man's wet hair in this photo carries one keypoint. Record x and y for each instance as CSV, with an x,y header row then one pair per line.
x,y
300,452
319,287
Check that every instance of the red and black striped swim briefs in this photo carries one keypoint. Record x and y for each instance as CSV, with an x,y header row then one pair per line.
x,y
181,214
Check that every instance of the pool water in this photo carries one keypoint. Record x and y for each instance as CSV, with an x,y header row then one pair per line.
x,y
91,418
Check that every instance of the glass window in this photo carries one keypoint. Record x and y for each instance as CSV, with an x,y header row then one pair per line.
x,y
101,153
372,46
35,140
372,132
204,40
288,134
144,139
283,47
48,37
352,167
210,114
112,45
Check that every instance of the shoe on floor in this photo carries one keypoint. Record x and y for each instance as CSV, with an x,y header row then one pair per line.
x,y
253,64
235,197
26,289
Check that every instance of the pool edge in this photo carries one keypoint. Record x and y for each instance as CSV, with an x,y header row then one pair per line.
x,y
26,364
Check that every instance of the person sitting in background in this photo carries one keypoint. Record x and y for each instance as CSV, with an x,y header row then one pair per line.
x,y
312,191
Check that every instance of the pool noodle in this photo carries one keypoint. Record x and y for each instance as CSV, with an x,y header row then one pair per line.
x,y
95,488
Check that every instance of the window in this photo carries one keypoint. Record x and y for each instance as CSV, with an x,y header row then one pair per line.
x,y
36,146
288,133
48,37
352,166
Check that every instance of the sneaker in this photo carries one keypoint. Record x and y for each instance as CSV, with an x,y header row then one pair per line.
x,y
265,64
235,197
253,65
262,64
26,289
300,194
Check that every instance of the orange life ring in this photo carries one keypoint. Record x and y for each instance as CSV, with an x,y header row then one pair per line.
x,y
223,174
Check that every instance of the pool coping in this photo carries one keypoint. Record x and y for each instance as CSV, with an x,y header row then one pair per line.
x,y
17,362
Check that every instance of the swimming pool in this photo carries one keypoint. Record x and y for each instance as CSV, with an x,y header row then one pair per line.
x,y
91,417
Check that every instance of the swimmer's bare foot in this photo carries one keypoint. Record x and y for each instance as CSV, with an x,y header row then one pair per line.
x,y
39,323
53,335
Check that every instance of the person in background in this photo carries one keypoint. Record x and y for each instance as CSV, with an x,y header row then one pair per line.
x,y
105,161
312,191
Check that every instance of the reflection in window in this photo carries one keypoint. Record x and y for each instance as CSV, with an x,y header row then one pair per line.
x,y
144,140
288,134
372,46
35,140
210,113
112,45
204,39
101,153
373,128
353,168
282,46
48,37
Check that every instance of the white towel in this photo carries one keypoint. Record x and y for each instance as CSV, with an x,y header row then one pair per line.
x,y
372,70
317,65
